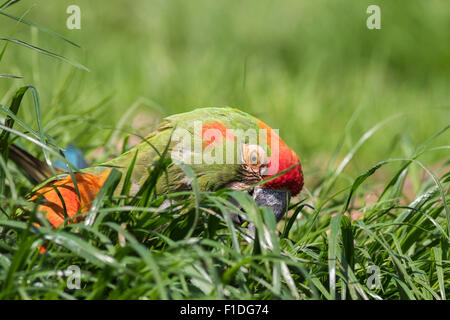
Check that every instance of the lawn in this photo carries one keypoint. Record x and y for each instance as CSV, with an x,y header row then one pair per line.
x,y
367,111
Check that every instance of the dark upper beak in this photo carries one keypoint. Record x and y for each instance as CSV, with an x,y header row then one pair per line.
x,y
277,200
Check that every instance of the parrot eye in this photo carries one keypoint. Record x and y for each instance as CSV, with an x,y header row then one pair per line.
x,y
254,155
254,158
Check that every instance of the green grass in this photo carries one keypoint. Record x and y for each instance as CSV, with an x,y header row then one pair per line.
x,y
366,111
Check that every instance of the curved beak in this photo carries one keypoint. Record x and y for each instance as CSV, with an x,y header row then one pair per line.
x,y
277,200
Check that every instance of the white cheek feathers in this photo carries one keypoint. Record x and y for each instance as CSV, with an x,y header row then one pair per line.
x,y
253,155
254,158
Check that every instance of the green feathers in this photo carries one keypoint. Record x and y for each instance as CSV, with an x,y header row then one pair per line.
x,y
205,139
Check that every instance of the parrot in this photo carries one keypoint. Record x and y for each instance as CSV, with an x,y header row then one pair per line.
x,y
224,146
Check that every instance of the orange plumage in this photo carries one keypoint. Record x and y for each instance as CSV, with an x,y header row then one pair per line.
x,y
88,185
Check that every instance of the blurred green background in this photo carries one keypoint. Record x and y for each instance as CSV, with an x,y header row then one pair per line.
x,y
309,68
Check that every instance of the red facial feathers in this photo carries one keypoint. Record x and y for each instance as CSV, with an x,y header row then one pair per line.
x,y
285,157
